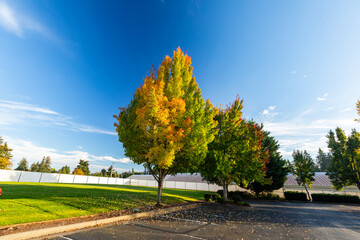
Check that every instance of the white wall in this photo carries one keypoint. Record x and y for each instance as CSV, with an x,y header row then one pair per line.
x,y
23,176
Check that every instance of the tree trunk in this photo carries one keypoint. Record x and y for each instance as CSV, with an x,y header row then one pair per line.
x,y
307,192
358,185
160,186
225,189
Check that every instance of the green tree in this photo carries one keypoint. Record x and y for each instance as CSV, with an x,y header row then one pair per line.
x,y
110,171
23,165
45,165
35,167
84,166
236,153
303,169
344,169
65,169
323,160
167,124
276,167
5,155
103,172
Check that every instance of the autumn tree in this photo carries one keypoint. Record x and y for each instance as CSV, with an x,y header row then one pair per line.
x,y
276,167
23,165
303,169
65,169
78,172
344,169
167,125
5,155
236,154
84,166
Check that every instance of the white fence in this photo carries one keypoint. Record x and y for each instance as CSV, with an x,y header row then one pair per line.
x,y
23,176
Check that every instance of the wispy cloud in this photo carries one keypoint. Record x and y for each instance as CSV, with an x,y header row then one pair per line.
x,y
346,110
33,153
19,24
293,72
323,98
13,113
306,76
9,21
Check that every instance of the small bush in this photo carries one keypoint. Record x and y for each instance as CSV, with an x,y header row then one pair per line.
x,y
243,194
237,198
220,192
268,196
336,198
220,200
207,197
295,196
215,196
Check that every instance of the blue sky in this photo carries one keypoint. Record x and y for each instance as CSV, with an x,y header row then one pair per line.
x,y
66,67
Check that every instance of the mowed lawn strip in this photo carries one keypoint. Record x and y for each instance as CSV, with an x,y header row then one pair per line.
x,y
31,202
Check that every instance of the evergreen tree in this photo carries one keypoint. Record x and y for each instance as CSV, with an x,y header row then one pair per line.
x,y
84,166
303,169
323,160
167,124
45,165
65,169
5,155
103,172
35,167
276,167
110,171
23,165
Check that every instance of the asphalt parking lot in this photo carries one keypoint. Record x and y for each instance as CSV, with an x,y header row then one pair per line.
x,y
263,220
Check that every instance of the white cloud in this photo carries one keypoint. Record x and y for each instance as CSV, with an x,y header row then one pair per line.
x,y
269,112
13,113
33,153
323,98
298,133
293,72
306,76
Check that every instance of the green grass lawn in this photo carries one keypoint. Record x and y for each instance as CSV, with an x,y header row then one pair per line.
x,y
31,202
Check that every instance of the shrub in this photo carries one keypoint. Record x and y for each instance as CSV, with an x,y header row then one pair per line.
x,y
220,200
220,192
207,197
243,194
215,196
231,194
269,196
295,196
237,198
337,198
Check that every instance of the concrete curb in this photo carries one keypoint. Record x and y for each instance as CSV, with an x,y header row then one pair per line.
x,y
76,226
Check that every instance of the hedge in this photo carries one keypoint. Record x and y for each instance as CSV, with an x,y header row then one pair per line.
x,y
295,196
336,198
